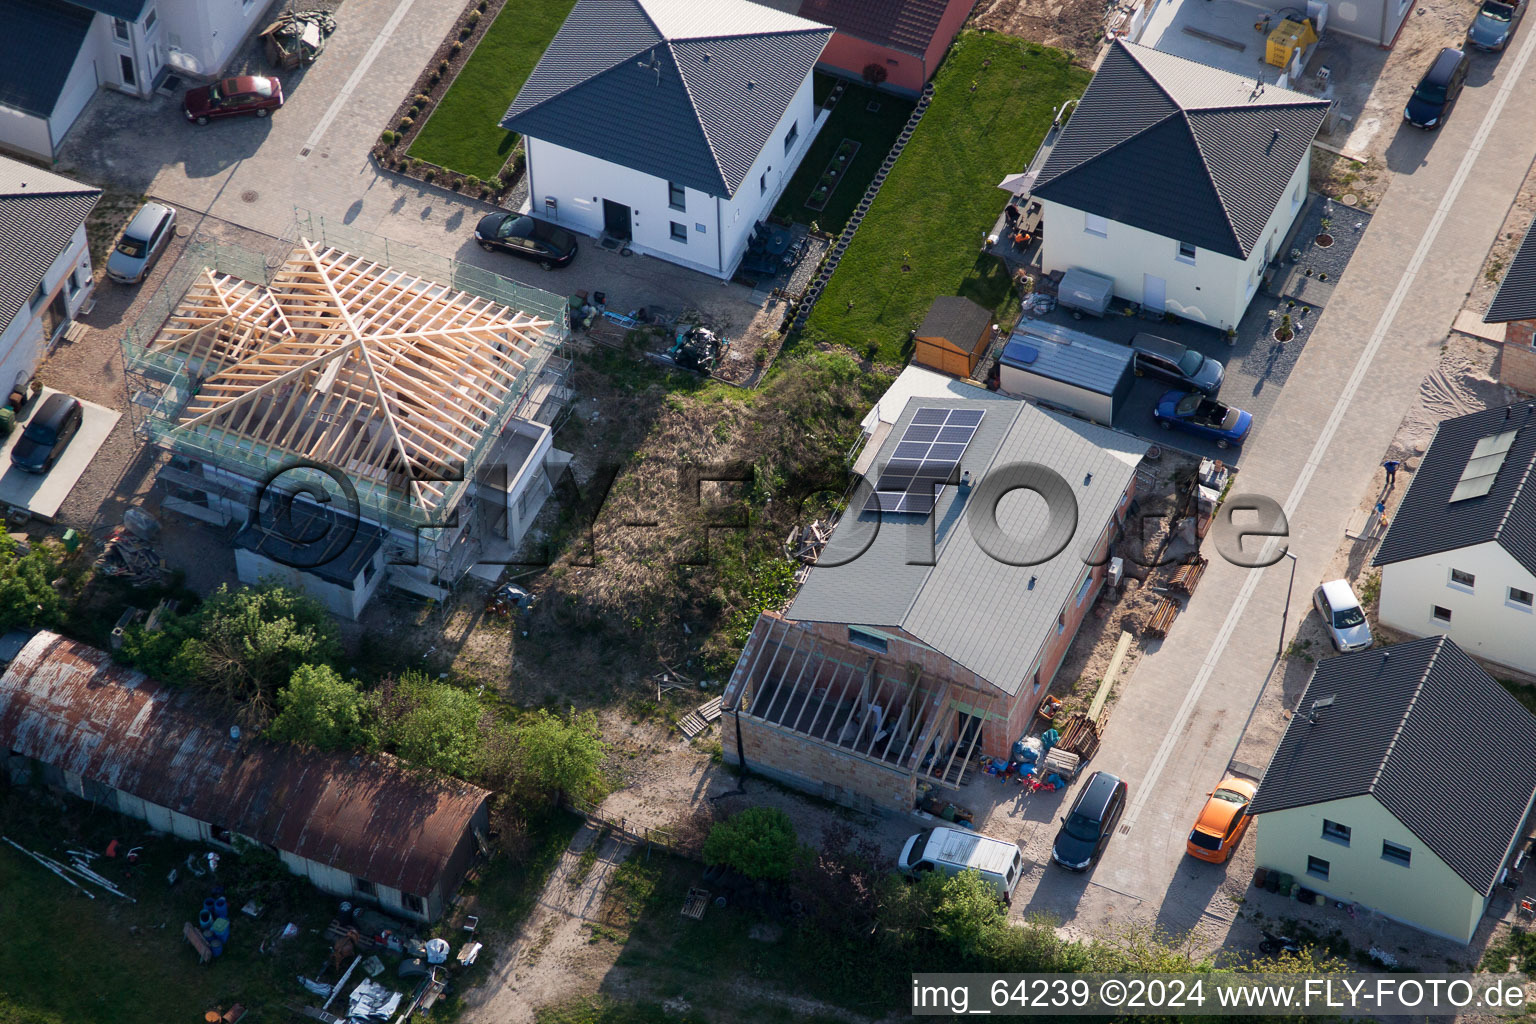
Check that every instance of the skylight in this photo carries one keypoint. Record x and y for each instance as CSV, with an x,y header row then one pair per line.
x,y
1483,465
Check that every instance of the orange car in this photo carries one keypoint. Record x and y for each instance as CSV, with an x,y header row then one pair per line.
x,y
1222,821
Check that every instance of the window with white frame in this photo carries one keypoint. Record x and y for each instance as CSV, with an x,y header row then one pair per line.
x,y
39,295
1520,598
790,137
1396,854
1093,224
150,20
1463,579
1440,613
1186,253
677,196
1317,868
120,30
1332,830
679,232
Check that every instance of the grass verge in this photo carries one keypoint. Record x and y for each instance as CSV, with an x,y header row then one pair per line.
x,y
875,131
463,133
992,105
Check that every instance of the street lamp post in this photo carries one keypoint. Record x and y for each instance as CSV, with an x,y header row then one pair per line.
x,y
1285,616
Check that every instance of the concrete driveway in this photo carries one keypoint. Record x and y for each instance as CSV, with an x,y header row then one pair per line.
x,y
1183,712
42,493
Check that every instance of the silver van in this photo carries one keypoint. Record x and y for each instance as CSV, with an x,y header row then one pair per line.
x,y
144,239
953,850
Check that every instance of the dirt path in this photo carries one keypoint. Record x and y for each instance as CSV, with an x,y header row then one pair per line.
x,y
553,957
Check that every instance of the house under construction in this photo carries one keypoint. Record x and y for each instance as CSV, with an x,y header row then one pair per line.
x,y
941,606
355,423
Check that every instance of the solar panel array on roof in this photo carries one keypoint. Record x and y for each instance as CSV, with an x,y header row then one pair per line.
x,y
927,457
1483,465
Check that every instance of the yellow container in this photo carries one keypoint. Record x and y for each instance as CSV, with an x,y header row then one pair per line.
x,y
1288,37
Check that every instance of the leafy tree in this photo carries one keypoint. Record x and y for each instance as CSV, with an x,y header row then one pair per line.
x,y
968,912
563,756
243,645
432,724
759,842
318,708
27,595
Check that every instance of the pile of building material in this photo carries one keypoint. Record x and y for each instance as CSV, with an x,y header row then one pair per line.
x,y
1080,734
804,543
77,866
129,556
297,37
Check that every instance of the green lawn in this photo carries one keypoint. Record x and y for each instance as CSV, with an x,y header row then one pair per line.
x,y
942,197
850,119
462,132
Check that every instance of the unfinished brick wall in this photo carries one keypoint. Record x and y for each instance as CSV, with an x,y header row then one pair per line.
x,y
1517,367
816,767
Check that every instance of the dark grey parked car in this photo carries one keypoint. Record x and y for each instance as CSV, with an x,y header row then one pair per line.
x,y
1161,357
47,435
1495,24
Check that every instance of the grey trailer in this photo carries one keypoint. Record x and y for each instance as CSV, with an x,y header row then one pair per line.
x,y
1081,290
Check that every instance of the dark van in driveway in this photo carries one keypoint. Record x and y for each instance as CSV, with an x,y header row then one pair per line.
x,y
1161,357
1087,829
48,434
1436,93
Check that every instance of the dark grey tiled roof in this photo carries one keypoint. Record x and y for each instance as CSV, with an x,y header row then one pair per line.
x,y
958,320
906,25
128,10
686,92
1428,522
1430,735
38,46
1516,297
39,212
1180,149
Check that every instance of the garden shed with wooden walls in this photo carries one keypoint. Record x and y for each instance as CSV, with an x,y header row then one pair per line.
x,y
953,336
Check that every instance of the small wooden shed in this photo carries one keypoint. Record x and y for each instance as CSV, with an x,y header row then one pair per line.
x,y
953,336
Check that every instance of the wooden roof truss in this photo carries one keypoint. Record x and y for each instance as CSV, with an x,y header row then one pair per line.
x,y
389,377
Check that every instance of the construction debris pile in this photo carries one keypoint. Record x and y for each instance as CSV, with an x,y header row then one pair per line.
x,y
128,555
297,37
78,866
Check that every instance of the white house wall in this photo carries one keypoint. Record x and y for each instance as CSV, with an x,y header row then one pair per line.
x,y
1484,622
25,133
22,342
1213,290
84,79
717,228
1055,393
253,568
202,36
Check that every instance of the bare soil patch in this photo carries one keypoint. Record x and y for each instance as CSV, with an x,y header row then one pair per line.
x,y
1073,25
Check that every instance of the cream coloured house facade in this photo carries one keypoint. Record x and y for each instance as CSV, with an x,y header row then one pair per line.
x,y
1350,808
1178,181
1460,556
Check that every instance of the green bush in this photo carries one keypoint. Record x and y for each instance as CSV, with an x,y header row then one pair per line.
x,y
562,757
405,124
474,18
759,842
422,99
457,45
442,66
471,182
320,709
432,724
27,595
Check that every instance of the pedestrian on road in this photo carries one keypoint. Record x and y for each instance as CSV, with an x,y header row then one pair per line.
x,y
1391,467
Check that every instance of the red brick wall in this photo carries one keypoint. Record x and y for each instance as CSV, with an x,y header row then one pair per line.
x,y
816,767
1517,366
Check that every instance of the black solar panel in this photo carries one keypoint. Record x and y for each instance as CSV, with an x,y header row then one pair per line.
x,y
925,459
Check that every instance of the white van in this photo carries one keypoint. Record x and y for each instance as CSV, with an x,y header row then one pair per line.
x,y
953,850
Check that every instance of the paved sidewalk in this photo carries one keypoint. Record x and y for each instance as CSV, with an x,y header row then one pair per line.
x,y
1184,710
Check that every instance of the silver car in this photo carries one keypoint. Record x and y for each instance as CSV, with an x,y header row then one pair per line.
x,y
144,239
1340,608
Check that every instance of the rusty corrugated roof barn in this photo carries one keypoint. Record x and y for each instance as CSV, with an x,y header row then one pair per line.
x,y
67,704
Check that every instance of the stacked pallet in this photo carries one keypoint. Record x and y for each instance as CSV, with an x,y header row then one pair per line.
x,y
1079,735
1162,618
697,720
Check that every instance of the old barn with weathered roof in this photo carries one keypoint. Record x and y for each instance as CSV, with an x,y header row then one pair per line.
x,y
355,827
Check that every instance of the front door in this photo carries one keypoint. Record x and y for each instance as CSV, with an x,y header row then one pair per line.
x,y
55,316
1154,294
616,219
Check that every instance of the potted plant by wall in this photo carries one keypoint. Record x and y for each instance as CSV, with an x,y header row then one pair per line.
x,y
1324,239
1284,331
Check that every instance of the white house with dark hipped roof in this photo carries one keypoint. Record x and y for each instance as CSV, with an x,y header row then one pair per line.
x,y
1177,181
1460,556
670,127
45,264
1402,783
55,54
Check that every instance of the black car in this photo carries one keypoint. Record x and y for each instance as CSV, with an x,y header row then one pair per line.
x,y
52,428
1085,831
1436,92
524,236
